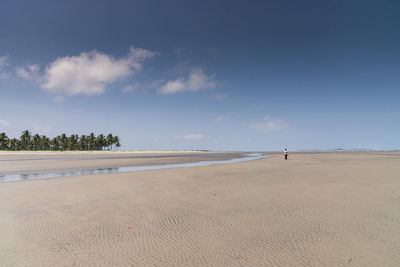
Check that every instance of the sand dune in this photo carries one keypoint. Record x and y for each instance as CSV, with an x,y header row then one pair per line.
x,y
322,209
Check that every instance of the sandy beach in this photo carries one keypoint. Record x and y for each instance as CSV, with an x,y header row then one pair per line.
x,y
316,209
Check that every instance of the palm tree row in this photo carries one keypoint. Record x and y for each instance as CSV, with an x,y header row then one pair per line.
x,y
27,141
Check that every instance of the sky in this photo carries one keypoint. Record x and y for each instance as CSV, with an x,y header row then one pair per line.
x,y
218,75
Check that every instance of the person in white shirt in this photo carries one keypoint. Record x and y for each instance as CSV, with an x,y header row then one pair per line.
x,y
285,153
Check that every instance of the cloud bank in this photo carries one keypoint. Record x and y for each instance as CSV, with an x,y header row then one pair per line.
x,y
89,73
196,81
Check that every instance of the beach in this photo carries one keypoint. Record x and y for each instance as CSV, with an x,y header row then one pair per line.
x,y
315,209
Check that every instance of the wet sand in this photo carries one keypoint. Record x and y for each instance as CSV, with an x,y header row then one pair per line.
x,y
11,162
316,209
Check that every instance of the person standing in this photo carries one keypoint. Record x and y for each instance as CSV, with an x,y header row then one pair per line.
x,y
285,153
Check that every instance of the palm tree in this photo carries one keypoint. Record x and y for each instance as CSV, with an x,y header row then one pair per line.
x,y
91,141
109,141
116,141
44,143
25,140
82,144
100,142
118,145
3,141
58,142
54,145
63,142
76,142
13,144
36,142
72,141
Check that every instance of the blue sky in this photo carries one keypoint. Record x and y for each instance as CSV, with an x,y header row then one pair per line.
x,y
220,75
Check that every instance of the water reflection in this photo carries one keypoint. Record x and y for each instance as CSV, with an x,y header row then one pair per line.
x,y
75,172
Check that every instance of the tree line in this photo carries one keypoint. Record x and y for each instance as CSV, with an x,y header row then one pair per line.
x,y
36,142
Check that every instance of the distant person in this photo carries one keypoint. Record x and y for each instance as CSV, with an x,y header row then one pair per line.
x,y
285,153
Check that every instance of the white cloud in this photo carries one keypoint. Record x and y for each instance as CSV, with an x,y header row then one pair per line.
x,y
130,88
268,125
30,73
5,123
89,73
220,118
194,137
172,87
196,81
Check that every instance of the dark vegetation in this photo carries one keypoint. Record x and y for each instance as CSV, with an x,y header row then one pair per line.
x,y
36,142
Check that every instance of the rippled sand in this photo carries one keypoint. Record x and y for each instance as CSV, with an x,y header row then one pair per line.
x,y
329,209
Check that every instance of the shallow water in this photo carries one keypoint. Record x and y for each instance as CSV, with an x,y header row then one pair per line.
x,y
94,157
73,172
